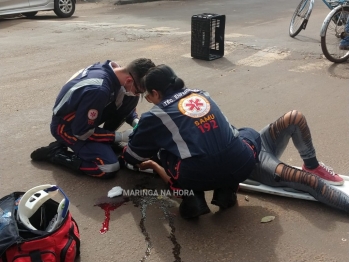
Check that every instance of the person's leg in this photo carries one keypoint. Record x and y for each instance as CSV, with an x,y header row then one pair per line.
x,y
287,176
93,159
314,185
294,125
271,171
192,206
98,160
344,43
47,152
225,195
57,153
275,138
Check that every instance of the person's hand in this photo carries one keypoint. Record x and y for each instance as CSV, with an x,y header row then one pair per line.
x,y
149,164
157,169
123,136
135,122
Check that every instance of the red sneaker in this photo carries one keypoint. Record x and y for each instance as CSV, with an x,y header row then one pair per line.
x,y
326,173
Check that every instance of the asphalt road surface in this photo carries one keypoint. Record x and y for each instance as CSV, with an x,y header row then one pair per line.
x,y
263,74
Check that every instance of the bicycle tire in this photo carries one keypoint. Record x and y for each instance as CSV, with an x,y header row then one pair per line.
x,y
334,27
298,21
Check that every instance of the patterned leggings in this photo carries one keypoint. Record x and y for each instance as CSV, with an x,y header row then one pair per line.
x,y
271,171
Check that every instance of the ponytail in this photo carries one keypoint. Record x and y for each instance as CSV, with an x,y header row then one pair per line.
x,y
163,79
177,83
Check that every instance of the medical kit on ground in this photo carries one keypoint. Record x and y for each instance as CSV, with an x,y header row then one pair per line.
x,y
34,227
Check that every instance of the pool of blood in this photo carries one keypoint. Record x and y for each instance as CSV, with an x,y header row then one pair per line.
x,y
107,207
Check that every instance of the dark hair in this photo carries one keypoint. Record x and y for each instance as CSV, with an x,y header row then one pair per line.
x,y
161,78
139,67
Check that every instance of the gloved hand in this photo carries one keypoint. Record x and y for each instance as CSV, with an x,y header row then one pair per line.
x,y
123,136
135,122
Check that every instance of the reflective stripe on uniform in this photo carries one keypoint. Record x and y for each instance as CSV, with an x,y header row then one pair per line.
x,y
172,127
134,155
87,82
108,168
86,135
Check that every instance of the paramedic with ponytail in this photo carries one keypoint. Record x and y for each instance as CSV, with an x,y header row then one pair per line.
x,y
197,147
199,150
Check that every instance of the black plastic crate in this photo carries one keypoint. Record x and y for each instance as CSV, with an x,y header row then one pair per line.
x,y
207,36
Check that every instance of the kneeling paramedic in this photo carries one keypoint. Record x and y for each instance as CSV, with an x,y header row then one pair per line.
x,y
103,93
197,148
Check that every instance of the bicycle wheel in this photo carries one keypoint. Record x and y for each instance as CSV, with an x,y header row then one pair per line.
x,y
334,32
298,21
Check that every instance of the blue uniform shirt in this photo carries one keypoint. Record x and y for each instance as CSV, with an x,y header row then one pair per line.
x,y
81,102
187,123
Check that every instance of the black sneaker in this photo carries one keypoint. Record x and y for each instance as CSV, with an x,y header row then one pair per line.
x,y
224,197
46,152
193,206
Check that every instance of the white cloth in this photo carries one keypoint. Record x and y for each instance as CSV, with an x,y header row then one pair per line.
x,y
115,191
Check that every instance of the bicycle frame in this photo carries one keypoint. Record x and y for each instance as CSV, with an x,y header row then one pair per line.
x,y
333,3
307,15
330,4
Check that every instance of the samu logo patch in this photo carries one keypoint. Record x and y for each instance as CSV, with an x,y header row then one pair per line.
x,y
92,114
194,106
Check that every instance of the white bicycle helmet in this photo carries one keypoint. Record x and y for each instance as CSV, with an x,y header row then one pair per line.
x,y
34,198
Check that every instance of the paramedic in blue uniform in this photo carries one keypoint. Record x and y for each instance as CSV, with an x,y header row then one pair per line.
x,y
199,150
102,93
193,140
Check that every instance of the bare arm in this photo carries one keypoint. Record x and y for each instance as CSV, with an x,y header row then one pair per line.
x,y
156,167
